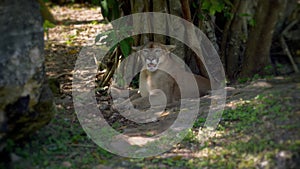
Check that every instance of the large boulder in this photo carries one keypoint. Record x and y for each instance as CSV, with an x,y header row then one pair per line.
x,y
26,103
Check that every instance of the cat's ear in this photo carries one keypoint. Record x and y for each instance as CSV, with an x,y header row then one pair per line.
x,y
170,47
136,48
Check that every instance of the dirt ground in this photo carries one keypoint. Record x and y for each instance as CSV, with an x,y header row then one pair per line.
x,y
79,25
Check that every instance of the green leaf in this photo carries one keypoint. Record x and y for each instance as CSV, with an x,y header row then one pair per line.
x,y
252,22
104,8
47,24
219,7
200,16
115,12
245,15
212,11
110,9
206,4
125,47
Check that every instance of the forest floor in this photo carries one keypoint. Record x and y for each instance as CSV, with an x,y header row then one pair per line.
x,y
259,128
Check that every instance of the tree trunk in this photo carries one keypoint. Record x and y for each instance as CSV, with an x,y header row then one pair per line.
x,y
234,39
260,37
160,6
46,14
191,58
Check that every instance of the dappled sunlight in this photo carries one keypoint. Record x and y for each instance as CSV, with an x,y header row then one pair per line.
x,y
239,145
235,103
259,127
260,84
77,26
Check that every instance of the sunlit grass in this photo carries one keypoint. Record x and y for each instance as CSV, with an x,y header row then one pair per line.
x,y
246,137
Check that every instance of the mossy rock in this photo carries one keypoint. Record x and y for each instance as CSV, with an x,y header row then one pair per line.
x,y
23,120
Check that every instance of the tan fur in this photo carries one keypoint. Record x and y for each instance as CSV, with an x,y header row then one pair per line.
x,y
149,81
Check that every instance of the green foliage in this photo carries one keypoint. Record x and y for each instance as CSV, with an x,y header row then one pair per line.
x,y
47,24
199,122
252,22
61,141
94,23
116,125
249,113
243,80
268,70
256,77
64,141
250,18
214,6
71,39
110,9
280,68
191,136
113,37
267,74
125,46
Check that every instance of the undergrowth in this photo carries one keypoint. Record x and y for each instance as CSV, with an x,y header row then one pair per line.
x,y
250,135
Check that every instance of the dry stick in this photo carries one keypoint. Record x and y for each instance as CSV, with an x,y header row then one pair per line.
x,y
113,68
284,32
285,46
63,74
288,53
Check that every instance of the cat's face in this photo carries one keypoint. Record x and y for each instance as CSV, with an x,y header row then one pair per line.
x,y
154,54
152,57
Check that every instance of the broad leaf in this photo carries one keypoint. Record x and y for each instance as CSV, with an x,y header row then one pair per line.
x,y
125,47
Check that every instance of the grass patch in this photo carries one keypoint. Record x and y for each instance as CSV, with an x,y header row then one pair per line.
x,y
249,136
61,144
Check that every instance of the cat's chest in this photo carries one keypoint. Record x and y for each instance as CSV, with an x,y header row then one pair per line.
x,y
157,77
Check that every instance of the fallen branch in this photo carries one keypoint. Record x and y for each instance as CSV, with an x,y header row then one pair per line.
x,y
285,46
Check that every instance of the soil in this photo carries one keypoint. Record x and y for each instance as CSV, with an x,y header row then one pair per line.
x,y
79,25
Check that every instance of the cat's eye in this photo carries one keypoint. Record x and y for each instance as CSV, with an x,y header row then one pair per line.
x,y
158,52
145,52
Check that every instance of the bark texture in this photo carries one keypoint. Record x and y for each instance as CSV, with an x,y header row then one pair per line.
x,y
257,55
